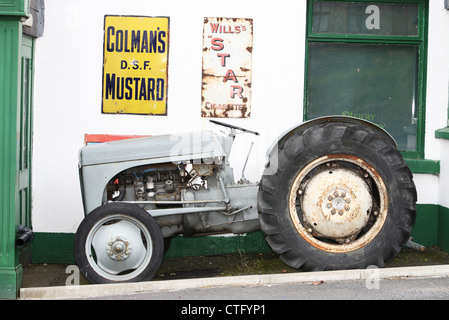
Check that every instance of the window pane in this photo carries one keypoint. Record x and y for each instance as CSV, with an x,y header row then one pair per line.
x,y
373,82
24,116
365,18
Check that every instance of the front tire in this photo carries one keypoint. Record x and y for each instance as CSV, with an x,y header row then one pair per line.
x,y
339,196
118,242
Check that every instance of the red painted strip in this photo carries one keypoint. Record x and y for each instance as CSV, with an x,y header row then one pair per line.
x,y
96,138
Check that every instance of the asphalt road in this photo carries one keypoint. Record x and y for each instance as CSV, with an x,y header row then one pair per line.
x,y
383,289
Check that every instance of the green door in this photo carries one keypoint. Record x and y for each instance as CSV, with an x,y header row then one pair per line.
x,y
16,51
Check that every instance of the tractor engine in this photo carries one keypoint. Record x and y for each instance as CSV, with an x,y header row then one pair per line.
x,y
184,185
159,184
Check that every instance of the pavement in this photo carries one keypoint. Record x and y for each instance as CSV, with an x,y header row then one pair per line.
x,y
180,277
369,276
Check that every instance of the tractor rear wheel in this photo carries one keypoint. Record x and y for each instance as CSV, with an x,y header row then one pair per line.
x,y
336,196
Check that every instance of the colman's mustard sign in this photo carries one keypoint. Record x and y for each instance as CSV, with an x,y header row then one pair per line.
x,y
135,65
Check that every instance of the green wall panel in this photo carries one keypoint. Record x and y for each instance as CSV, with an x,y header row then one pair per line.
x,y
10,37
58,247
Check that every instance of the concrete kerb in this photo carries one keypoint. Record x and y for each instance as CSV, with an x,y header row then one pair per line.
x,y
104,290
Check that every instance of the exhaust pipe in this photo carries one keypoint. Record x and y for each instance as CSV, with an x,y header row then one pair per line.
x,y
24,234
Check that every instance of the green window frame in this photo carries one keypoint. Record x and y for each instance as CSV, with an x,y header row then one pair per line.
x,y
324,48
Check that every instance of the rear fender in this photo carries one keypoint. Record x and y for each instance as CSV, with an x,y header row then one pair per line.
x,y
344,119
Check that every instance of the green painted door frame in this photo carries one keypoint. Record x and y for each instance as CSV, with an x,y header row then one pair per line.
x,y
12,12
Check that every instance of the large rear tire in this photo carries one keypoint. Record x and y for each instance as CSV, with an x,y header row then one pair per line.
x,y
336,196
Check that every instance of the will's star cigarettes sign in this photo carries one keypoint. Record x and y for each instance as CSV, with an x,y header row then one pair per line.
x,y
226,81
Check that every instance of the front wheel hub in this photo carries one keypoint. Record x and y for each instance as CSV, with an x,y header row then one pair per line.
x,y
118,248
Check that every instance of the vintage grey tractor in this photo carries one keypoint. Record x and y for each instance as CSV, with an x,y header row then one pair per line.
x,y
335,193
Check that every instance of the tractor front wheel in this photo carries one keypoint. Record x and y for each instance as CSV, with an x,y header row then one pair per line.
x,y
118,242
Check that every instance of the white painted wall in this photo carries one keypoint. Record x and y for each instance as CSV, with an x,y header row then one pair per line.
x,y
437,77
437,105
68,88
444,175
68,73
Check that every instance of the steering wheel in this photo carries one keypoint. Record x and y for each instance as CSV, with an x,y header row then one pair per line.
x,y
234,127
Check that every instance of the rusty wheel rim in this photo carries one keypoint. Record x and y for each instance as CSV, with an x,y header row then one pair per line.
x,y
334,214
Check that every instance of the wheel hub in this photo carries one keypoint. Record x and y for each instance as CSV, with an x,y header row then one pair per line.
x,y
118,248
337,203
